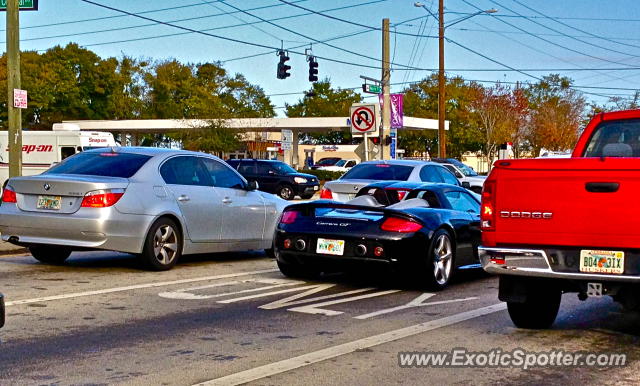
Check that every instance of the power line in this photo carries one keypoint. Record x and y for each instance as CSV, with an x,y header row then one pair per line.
x,y
240,19
553,17
540,33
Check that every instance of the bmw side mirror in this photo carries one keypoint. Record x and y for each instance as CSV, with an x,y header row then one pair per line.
x,y
253,185
466,185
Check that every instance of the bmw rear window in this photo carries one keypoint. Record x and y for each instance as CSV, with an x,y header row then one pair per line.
x,y
379,172
105,164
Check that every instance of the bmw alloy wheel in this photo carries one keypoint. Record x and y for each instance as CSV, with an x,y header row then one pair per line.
x,y
165,244
443,259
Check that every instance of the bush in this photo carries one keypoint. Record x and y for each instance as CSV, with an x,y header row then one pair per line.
x,y
323,175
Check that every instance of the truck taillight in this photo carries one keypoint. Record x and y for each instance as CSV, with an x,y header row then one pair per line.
x,y
101,198
9,195
395,224
488,209
326,194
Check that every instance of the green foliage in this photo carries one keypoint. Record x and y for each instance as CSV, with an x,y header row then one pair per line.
x,y
324,101
323,175
421,101
213,137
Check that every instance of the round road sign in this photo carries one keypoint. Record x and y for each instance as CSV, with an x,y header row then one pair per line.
x,y
363,119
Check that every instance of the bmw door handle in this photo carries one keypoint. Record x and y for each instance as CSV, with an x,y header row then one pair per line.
x,y
227,200
183,198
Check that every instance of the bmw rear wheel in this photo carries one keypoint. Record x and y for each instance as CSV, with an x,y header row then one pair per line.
x,y
440,260
163,245
50,254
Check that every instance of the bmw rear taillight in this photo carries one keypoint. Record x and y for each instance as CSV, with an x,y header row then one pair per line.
x,y
488,209
289,217
401,193
326,194
396,224
101,198
9,195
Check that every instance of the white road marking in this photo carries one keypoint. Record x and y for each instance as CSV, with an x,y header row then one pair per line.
x,y
182,295
346,348
313,288
134,287
291,300
315,308
417,302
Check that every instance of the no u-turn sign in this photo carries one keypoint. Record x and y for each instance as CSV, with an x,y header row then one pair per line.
x,y
365,118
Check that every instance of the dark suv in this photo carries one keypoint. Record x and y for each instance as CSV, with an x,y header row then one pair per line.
x,y
277,177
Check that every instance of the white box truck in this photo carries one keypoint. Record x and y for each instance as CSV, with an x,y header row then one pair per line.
x,y
41,149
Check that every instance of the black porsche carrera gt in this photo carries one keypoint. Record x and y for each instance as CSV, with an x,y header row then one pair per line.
x,y
424,230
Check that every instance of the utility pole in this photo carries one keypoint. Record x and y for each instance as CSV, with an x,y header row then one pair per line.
x,y
13,82
385,151
442,141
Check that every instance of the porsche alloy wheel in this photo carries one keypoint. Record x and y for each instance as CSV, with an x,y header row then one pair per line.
x,y
443,259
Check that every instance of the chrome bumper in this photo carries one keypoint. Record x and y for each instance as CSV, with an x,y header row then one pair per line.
x,y
535,263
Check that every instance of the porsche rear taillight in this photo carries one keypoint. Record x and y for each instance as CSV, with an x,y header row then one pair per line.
x,y
101,198
289,217
326,194
488,209
400,225
9,195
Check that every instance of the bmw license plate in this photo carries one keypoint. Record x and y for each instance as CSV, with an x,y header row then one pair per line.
x,y
596,261
330,247
49,202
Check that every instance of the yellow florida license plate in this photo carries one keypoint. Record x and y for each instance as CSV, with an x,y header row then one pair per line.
x,y
596,261
330,247
49,202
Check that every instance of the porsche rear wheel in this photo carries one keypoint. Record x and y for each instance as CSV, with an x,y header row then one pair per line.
x,y
440,260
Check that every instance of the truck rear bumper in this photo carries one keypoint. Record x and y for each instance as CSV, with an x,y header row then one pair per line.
x,y
535,263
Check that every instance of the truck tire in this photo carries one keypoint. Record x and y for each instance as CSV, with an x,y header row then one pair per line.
x,y
50,254
538,311
163,246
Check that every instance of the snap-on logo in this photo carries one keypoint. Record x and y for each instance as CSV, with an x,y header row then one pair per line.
x,y
520,214
37,148
97,140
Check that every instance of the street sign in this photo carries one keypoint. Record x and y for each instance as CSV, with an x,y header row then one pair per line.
x,y
23,5
372,88
19,98
364,118
287,140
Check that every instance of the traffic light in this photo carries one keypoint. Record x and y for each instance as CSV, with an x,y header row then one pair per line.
x,y
313,69
283,68
375,140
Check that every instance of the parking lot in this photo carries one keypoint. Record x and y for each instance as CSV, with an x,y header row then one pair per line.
x,y
233,318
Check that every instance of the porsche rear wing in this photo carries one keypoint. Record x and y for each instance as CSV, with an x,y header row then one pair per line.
x,y
309,209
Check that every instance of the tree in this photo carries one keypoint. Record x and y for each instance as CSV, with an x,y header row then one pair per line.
x,y
211,137
557,112
501,112
324,101
421,100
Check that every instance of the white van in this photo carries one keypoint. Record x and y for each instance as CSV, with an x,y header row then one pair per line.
x,y
41,149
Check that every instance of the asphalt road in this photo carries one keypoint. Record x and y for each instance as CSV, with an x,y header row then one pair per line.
x,y
234,318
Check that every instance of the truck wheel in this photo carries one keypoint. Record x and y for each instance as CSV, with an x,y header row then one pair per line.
x,y
285,192
539,310
440,260
163,245
50,254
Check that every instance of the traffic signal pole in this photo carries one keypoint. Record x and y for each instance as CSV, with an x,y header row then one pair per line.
x,y
13,82
442,140
385,151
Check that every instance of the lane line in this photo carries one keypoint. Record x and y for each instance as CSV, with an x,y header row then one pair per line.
x,y
418,302
182,295
134,287
315,308
346,348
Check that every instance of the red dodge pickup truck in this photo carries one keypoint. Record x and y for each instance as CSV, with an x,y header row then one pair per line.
x,y
567,225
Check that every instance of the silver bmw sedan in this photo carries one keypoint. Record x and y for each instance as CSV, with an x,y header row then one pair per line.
x,y
157,203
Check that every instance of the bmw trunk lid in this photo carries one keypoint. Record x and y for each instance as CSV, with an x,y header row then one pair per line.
x,y
68,189
345,190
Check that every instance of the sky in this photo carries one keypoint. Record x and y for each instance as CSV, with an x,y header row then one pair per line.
x,y
594,42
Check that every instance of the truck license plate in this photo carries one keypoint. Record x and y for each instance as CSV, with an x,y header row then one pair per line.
x,y
330,247
596,261
49,202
